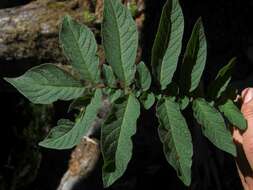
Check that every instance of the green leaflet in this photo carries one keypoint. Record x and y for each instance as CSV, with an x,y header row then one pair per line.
x,y
168,43
79,45
213,125
109,78
183,102
176,138
114,95
143,76
194,59
116,134
147,99
63,127
233,114
219,85
120,40
72,136
47,83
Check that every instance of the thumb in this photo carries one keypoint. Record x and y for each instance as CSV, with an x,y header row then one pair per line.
x,y
247,136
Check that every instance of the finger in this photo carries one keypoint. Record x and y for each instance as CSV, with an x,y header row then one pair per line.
x,y
243,180
247,110
249,182
237,136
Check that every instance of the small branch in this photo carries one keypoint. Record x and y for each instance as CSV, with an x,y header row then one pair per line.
x,y
86,155
83,161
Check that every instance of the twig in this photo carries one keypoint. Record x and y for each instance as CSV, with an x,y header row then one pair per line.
x,y
86,155
83,160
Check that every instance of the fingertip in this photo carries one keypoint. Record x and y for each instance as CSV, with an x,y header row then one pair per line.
x,y
244,91
247,95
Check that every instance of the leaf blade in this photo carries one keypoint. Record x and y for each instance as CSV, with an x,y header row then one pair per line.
x,y
168,43
176,138
47,83
213,126
120,40
116,136
147,99
233,114
74,135
144,77
194,58
109,78
219,85
183,102
79,45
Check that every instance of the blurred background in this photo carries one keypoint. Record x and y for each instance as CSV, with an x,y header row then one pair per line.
x,y
29,37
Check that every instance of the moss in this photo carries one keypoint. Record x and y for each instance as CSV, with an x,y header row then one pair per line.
x,y
59,5
133,8
88,16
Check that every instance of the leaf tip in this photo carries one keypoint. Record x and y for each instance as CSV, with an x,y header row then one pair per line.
x,y
12,81
107,182
9,80
187,181
42,144
233,61
66,18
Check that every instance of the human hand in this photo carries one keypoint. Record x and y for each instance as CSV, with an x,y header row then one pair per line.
x,y
244,142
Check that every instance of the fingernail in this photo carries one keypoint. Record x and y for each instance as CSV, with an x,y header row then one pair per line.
x,y
248,96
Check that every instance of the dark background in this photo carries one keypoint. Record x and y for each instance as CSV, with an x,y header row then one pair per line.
x,y
228,27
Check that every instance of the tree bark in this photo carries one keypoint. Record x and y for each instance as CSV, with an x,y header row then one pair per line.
x,y
31,31
83,160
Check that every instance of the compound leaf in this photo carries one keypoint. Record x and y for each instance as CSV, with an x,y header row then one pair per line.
x,y
116,136
79,45
219,85
233,114
168,43
47,83
143,76
72,134
120,40
176,138
194,59
213,125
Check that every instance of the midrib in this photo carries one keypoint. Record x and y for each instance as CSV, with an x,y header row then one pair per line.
x,y
167,108
165,46
79,50
119,41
